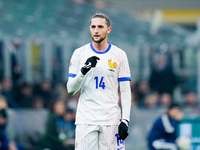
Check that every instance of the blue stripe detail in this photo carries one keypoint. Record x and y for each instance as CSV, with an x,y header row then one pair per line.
x,y
98,52
124,79
71,75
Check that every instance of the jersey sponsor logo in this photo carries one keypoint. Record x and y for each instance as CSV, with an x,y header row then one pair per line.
x,y
112,65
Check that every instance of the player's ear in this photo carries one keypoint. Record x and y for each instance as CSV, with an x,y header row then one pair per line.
x,y
109,29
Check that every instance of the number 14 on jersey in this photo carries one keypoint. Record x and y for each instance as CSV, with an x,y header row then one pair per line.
x,y
101,83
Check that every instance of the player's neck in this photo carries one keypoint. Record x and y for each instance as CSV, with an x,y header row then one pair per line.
x,y
100,46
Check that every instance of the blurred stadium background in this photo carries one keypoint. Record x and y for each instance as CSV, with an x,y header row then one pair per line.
x,y
38,37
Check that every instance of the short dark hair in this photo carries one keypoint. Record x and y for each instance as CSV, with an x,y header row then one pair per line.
x,y
174,105
101,15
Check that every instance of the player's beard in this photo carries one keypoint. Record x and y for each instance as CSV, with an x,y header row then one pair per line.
x,y
99,40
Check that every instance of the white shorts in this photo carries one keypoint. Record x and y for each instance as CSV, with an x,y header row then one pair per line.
x,y
97,137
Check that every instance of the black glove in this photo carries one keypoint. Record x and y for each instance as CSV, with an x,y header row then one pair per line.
x,y
122,131
91,62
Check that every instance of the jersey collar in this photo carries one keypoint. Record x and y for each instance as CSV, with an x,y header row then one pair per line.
x,y
109,46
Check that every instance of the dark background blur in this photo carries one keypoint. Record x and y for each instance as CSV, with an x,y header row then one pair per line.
x,y
38,37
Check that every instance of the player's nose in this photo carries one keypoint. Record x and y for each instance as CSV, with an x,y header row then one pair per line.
x,y
96,30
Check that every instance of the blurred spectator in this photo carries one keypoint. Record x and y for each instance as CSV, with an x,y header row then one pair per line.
x,y
163,133
7,91
37,103
141,91
55,136
5,143
25,95
15,58
60,89
191,100
151,100
191,105
70,128
3,103
162,78
165,100
44,90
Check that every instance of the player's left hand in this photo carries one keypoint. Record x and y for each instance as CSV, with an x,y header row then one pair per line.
x,y
122,131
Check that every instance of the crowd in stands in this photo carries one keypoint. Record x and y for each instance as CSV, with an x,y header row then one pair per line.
x,y
155,92
62,106
5,142
59,132
158,90
143,97
60,128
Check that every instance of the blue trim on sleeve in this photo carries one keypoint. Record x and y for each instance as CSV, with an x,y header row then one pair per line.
x,y
71,75
124,79
109,46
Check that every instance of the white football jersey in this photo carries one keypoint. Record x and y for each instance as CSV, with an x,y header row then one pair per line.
x,y
98,101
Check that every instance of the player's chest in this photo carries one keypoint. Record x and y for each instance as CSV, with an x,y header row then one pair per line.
x,y
108,65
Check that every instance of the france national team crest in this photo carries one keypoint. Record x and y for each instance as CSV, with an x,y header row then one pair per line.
x,y
76,145
112,65
120,143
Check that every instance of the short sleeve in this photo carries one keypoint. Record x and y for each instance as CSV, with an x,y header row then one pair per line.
x,y
124,72
74,64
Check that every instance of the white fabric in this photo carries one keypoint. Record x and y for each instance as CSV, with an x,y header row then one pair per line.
x,y
125,90
98,102
74,84
159,144
96,137
167,124
126,122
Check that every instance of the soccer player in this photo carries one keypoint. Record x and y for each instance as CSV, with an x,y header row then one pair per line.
x,y
163,134
99,69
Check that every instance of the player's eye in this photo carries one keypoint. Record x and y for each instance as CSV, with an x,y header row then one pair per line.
x,y
100,26
93,27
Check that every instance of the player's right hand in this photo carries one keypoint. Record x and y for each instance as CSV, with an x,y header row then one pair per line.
x,y
90,63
